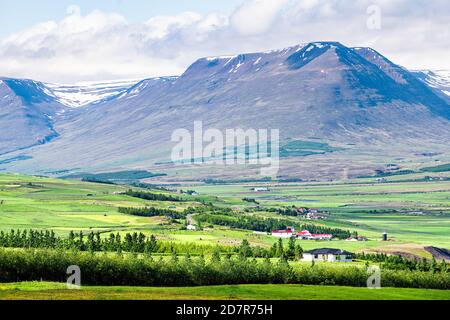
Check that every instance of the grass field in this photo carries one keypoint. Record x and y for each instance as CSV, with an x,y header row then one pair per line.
x,y
57,291
415,215
361,205
421,216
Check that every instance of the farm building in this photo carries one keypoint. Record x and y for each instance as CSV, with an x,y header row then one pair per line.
x,y
325,237
306,235
261,189
329,255
358,238
288,233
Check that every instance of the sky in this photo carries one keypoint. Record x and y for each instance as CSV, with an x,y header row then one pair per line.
x,y
69,41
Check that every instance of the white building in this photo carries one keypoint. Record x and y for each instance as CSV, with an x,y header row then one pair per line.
x,y
328,255
288,233
303,234
306,235
191,227
322,237
261,189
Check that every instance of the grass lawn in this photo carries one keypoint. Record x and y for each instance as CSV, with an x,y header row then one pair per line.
x,y
57,291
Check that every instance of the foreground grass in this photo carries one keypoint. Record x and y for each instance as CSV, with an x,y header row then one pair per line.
x,y
58,291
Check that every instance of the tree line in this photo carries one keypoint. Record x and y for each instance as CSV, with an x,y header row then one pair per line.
x,y
112,242
146,270
267,224
396,262
137,243
152,196
153,212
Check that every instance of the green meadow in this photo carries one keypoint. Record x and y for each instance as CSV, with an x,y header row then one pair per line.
x,y
415,214
52,291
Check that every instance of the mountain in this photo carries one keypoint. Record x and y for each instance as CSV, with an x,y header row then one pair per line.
x,y
32,108
27,111
337,108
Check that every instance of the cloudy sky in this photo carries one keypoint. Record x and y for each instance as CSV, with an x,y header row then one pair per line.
x,y
68,41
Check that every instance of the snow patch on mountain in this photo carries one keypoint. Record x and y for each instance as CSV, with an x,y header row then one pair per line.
x,y
82,94
437,79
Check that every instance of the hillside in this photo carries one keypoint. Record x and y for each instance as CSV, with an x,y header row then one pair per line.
x,y
27,112
352,100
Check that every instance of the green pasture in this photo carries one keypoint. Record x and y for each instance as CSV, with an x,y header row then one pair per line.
x,y
58,291
357,205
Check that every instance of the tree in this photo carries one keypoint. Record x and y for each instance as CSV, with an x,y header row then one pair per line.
x,y
280,250
298,252
245,250
216,255
290,252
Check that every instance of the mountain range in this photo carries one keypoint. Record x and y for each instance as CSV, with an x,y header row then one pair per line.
x,y
338,109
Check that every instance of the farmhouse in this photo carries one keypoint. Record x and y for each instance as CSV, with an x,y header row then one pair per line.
x,y
261,189
306,235
191,227
358,238
329,255
326,237
288,233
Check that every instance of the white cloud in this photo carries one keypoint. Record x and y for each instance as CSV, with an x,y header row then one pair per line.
x,y
101,46
256,16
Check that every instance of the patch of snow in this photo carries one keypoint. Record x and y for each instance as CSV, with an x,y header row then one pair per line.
x,y
84,93
257,61
236,68
309,48
220,58
318,45
438,79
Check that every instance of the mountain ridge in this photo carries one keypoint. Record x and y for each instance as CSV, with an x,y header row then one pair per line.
x,y
347,97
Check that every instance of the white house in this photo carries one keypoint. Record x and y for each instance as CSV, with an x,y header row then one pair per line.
x,y
358,238
306,235
326,237
191,227
303,234
288,233
261,189
329,255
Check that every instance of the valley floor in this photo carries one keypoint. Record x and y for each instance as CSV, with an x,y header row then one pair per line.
x,y
58,291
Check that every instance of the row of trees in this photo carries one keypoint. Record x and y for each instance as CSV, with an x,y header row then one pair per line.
x,y
152,196
286,211
396,262
129,270
139,243
266,224
114,242
153,212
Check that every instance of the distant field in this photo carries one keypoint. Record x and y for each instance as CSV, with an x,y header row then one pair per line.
x,y
422,208
56,291
422,216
